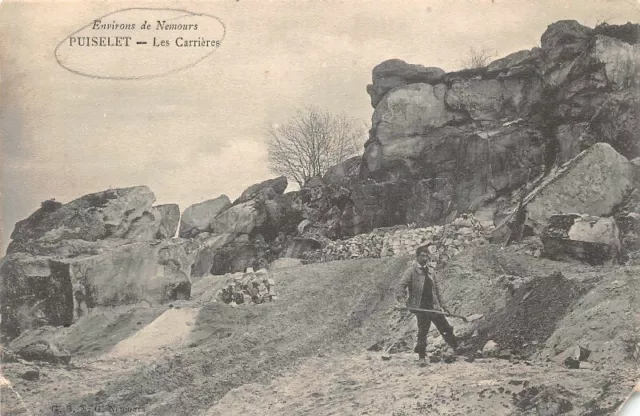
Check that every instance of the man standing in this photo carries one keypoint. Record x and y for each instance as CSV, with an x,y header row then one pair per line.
x,y
424,294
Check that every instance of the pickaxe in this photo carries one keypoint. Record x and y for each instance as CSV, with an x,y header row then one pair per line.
x,y
464,318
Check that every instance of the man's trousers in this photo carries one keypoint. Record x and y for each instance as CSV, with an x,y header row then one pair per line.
x,y
443,326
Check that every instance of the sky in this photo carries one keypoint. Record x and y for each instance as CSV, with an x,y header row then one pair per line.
x,y
199,133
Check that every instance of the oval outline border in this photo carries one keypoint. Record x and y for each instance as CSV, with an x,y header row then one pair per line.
x,y
77,72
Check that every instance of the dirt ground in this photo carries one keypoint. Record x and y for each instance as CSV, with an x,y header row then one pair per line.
x,y
364,384
306,353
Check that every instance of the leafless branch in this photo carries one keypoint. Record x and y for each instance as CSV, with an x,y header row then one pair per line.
x,y
311,142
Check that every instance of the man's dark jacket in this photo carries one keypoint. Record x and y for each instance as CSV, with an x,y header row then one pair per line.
x,y
416,279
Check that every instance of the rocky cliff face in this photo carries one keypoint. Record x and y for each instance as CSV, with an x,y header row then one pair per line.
x,y
443,144
483,133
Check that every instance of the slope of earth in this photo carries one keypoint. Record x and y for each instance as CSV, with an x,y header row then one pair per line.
x,y
306,353
318,306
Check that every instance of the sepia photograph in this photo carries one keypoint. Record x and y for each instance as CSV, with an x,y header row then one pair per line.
x,y
329,207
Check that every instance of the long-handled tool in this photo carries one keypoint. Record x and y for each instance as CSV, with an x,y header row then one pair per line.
x,y
464,318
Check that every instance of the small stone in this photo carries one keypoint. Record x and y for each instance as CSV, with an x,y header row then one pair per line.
x,y
32,374
490,348
505,354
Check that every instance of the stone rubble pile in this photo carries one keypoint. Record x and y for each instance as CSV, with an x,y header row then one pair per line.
x,y
448,241
359,246
247,288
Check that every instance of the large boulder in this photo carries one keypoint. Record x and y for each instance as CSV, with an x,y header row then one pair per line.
x,y
593,240
395,72
169,219
243,218
39,290
268,189
197,217
114,213
563,41
594,183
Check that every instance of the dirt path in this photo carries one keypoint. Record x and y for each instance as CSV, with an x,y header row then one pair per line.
x,y
153,338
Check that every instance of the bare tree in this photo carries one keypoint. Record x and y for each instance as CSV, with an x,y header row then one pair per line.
x,y
311,142
477,58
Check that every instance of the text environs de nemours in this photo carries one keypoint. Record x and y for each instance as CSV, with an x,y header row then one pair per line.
x,y
157,41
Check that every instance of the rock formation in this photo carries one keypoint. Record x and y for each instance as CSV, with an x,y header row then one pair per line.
x,y
395,72
593,183
125,214
472,141
103,249
197,217
490,132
